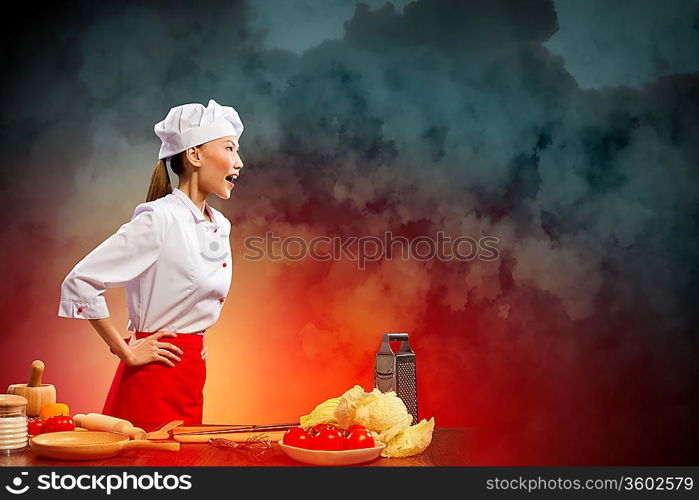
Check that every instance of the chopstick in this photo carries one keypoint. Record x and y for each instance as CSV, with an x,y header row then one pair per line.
x,y
239,429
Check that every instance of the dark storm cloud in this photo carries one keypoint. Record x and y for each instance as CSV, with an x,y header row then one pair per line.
x,y
300,25
452,25
626,42
575,174
449,115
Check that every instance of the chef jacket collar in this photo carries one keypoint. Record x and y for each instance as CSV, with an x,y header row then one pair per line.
x,y
193,208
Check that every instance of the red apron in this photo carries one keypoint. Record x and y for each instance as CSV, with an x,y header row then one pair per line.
x,y
151,395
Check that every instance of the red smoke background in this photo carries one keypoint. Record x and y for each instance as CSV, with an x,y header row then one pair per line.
x,y
577,346
494,357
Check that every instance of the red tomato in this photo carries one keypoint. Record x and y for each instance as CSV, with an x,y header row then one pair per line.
x,y
320,427
59,423
328,439
297,437
35,427
359,438
356,426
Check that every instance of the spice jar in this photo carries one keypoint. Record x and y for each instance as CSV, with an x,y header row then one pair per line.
x,y
13,424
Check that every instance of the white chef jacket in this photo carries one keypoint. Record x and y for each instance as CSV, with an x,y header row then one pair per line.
x,y
176,267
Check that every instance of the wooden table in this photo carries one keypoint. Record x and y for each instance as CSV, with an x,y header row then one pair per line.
x,y
449,447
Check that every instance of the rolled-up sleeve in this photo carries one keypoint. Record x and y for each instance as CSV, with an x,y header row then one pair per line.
x,y
119,259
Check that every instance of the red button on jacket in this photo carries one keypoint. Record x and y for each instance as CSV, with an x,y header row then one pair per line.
x,y
80,309
224,264
220,300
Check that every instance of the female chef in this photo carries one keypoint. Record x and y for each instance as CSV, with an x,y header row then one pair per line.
x,y
174,260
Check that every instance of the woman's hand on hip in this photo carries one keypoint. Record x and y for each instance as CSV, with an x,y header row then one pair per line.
x,y
150,349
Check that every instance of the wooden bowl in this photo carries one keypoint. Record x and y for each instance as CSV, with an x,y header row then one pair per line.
x,y
36,393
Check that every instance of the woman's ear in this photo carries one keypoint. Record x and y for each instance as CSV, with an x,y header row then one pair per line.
x,y
194,156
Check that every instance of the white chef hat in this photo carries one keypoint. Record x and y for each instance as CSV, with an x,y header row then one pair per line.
x,y
192,124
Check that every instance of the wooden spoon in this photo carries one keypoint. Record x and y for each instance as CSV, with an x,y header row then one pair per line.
x,y
164,431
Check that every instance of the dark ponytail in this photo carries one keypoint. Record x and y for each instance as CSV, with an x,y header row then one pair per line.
x,y
160,180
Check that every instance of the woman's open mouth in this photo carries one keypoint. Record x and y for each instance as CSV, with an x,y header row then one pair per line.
x,y
230,179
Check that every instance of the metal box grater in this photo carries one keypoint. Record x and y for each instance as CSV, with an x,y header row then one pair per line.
x,y
396,371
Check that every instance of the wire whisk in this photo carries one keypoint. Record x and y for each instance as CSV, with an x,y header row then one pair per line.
x,y
256,445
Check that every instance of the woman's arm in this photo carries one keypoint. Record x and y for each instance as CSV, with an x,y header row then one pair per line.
x,y
113,263
119,259
109,333
141,351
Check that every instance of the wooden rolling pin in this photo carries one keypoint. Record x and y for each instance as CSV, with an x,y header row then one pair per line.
x,y
99,422
37,394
